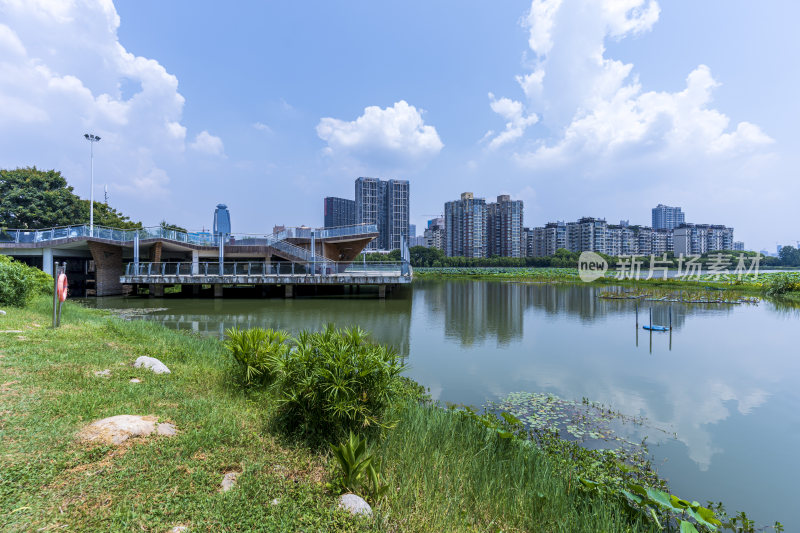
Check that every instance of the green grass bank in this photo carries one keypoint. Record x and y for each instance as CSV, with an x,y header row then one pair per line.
x,y
445,472
786,283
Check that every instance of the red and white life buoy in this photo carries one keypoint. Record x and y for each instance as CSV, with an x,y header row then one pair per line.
x,y
61,287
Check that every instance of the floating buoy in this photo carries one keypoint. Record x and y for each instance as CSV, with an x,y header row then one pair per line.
x,y
62,287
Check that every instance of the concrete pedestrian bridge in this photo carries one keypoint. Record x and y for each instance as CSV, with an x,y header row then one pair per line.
x,y
108,261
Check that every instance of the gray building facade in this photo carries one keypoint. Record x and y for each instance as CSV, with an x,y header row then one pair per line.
x,y
504,220
339,212
386,204
466,227
666,217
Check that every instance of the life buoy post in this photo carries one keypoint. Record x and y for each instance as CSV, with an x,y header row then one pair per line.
x,y
60,290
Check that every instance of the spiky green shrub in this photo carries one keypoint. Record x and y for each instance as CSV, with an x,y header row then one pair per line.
x,y
360,471
19,282
335,381
257,351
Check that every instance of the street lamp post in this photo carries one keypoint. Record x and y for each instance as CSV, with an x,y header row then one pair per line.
x,y
92,139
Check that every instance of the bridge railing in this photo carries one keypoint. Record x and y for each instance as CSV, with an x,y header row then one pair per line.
x,y
262,268
198,238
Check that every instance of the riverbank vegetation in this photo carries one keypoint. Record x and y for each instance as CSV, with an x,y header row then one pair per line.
x,y
434,258
444,472
783,285
267,407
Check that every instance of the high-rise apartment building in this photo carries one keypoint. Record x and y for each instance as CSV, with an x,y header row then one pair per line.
x,y
435,233
397,214
386,204
548,239
504,227
339,212
702,238
587,234
466,227
666,217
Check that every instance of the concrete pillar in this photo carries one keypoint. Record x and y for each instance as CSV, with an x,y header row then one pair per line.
x,y
156,290
381,291
108,268
47,260
195,262
218,290
155,252
289,291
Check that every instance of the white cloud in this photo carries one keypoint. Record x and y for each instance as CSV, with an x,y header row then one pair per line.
x,y
208,144
595,106
394,135
514,113
260,126
62,74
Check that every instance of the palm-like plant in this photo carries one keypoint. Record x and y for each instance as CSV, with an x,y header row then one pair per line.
x,y
257,351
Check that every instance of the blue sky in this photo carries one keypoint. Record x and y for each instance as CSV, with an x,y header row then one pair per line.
x,y
577,107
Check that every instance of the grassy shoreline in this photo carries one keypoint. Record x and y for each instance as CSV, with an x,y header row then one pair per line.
x,y
747,287
446,473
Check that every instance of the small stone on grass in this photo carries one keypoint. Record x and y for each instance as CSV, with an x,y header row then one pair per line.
x,y
228,481
136,380
355,505
151,363
102,373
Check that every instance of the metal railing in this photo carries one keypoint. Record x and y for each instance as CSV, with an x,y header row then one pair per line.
x,y
262,268
197,238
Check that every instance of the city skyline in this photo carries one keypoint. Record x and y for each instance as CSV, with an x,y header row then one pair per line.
x,y
702,127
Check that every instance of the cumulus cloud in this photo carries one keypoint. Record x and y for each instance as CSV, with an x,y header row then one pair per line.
x,y
514,113
63,72
392,135
208,144
596,107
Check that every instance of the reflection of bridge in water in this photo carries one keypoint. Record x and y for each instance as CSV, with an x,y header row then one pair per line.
x,y
387,321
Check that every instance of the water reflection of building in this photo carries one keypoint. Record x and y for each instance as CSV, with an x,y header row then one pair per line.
x,y
477,311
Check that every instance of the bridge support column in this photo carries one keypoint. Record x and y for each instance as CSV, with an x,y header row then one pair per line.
x,y
218,290
289,291
381,291
47,260
155,252
108,268
156,290
195,289
195,262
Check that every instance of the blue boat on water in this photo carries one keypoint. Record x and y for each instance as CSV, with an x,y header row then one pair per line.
x,y
656,328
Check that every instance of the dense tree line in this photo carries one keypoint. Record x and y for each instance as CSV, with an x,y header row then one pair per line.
x,y
32,199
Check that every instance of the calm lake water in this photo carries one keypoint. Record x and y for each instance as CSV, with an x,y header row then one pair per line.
x,y
725,393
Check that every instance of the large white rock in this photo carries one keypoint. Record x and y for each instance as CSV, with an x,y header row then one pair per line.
x,y
2,312
355,505
151,363
117,429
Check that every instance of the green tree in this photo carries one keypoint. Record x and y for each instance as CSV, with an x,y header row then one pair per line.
x,y
31,198
166,225
790,256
